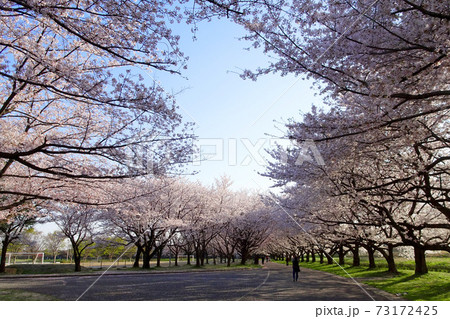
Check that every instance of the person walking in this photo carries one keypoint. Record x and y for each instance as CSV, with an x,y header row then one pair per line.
x,y
295,268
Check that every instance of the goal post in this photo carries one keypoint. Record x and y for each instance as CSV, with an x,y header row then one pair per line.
x,y
15,258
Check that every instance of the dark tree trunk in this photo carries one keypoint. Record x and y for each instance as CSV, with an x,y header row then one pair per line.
x,y
371,255
145,259
229,260
389,256
188,262
202,258
321,257
302,257
158,257
137,257
419,258
392,267
313,256
329,259
356,258
5,244
176,258
244,256
256,260
307,256
197,258
341,255
77,260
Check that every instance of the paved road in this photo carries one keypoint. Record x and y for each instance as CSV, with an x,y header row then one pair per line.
x,y
273,282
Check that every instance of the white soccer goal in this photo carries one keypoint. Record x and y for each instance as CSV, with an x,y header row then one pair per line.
x,y
24,258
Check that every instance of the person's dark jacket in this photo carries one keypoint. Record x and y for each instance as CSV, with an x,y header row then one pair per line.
x,y
295,265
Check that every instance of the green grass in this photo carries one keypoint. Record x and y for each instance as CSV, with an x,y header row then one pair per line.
x,y
21,295
433,286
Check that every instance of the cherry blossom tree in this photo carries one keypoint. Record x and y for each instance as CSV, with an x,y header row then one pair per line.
x,y
53,243
383,135
79,223
153,217
74,100
11,228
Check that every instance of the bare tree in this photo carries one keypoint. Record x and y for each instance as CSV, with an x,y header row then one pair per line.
x,y
78,223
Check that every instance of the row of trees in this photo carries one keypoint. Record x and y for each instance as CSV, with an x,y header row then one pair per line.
x,y
384,135
186,218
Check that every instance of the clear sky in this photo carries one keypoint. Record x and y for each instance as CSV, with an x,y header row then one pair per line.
x,y
233,116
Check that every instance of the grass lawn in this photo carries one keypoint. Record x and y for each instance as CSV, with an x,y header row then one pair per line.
x,y
433,286
21,295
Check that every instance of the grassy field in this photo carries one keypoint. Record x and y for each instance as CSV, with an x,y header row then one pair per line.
x,y
433,286
21,295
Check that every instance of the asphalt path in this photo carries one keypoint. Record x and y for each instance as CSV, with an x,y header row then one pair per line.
x,y
272,282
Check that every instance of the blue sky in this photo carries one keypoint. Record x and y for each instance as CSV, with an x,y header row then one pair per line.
x,y
231,114
227,109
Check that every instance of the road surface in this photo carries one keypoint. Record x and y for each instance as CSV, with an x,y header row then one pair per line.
x,y
273,282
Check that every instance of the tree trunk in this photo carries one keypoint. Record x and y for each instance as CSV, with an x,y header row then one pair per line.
x,y
77,260
356,258
307,256
313,256
145,259
5,244
197,258
256,260
341,255
329,259
244,256
392,267
389,256
302,257
188,262
202,258
158,257
419,258
321,257
371,254
176,258
229,260
137,257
